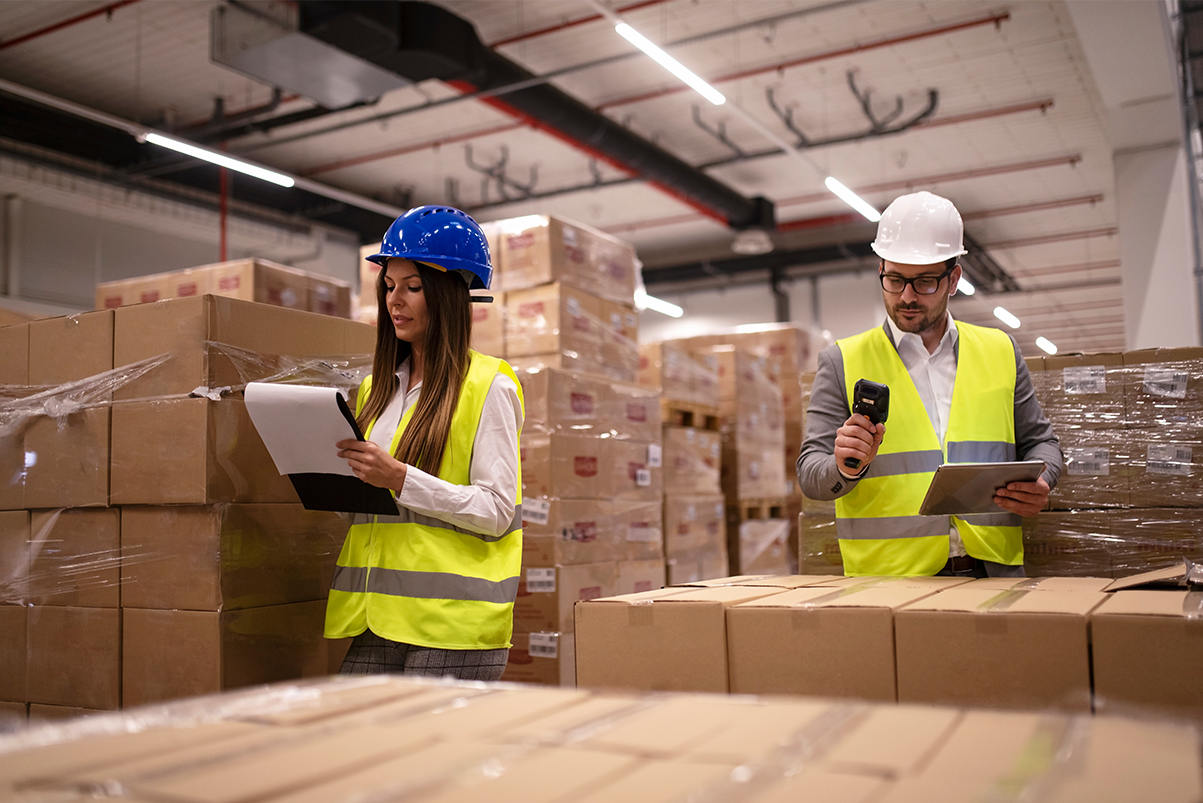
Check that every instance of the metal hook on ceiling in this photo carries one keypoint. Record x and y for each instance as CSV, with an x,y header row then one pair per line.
x,y
719,132
497,172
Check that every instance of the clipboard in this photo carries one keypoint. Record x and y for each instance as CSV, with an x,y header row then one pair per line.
x,y
963,489
299,425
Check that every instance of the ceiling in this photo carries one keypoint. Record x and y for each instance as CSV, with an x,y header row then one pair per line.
x,y
1018,136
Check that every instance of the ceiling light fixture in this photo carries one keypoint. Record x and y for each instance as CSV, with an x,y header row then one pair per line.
x,y
752,242
669,63
852,199
220,159
1006,317
965,287
644,301
1046,345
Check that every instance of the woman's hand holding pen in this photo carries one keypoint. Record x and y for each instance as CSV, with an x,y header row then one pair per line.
x,y
372,464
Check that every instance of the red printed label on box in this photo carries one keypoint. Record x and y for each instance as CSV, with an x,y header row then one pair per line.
x,y
189,289
582,532
582,403
524,240
636,412
643,585
229,282
479,314
592,592
530,309
585,466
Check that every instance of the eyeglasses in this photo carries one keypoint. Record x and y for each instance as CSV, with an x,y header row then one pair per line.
x,y
894,284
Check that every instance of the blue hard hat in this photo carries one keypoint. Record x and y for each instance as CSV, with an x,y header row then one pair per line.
x,y
442,237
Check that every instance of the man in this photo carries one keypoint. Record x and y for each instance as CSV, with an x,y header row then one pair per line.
x,y
958,394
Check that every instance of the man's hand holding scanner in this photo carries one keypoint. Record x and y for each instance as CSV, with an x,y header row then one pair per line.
x,y
857,440
372,464
1023,498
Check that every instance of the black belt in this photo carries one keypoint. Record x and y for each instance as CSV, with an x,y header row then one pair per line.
x,y
961,563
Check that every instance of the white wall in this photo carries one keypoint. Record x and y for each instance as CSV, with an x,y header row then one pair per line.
x,y
62,234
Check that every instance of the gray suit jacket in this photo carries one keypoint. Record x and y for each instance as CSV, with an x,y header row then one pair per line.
x,y
830,408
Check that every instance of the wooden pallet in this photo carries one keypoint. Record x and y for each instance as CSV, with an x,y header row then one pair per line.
x,y
687,414
773,507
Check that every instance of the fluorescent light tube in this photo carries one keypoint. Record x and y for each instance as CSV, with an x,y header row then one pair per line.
x,y
1046,345
1006,317
669,63
852,199
965,287
644,301
220,159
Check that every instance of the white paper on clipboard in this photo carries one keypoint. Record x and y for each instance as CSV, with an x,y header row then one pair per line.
x,y
300,425
963,489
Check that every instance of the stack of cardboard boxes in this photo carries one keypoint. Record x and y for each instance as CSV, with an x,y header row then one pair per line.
x,y
591,446
248,279
695,540
754,481
995,643
440,742
151,549
1130,497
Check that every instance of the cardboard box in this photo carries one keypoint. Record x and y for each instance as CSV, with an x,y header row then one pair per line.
x,y
669,640
67,460
1000,649
57,713
671,370
692,461
14,354
700,564
1099,469
927,583
1148,647
488,326
1142,539
784,582
191,452
74,656
818,545
566,401
537,249
1163,389
227,557
575,467
754,471
1166,468
637,576
174,654
547,594
694,524
14,647
1041,583
187,329
763,546
564,532
547,659
818,641
75,557
70,348
13,716
369,274
1082,391
573,361
1069,543
553,318
14,557
1112,759
620,335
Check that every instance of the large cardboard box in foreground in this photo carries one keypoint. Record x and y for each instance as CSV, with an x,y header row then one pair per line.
x,y
674,639
1148,650
819,641
547,594
1000,649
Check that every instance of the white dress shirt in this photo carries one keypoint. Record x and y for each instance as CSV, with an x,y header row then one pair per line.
x,y
934,376
487,505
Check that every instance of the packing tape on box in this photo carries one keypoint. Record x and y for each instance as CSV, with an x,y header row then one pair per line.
x,y
1002,601
1054,754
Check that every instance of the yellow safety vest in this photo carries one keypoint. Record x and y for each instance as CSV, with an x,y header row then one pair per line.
x,y
418,580
878,523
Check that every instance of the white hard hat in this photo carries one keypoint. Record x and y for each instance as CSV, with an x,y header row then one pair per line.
x,y
919,229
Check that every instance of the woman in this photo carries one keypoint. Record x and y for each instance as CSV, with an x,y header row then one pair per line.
x,y
431,590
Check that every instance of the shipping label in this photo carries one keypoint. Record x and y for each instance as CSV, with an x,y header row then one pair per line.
x,y
541,581
1083,379
544,645
536,511
1169,459
1088,461
1168,382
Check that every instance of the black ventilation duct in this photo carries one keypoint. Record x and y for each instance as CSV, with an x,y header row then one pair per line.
x,y
419,41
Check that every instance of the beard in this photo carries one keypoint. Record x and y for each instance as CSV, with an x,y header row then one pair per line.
x,y
917,324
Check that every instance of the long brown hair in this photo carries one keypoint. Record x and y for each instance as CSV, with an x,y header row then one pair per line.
x,y
446,360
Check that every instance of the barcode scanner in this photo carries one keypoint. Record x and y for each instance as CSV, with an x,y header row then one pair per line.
x,y
872,400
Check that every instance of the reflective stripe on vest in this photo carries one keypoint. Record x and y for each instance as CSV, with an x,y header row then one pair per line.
x,y
415,579
878,524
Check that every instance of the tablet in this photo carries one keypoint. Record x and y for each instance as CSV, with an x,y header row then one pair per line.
x,y
962,489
